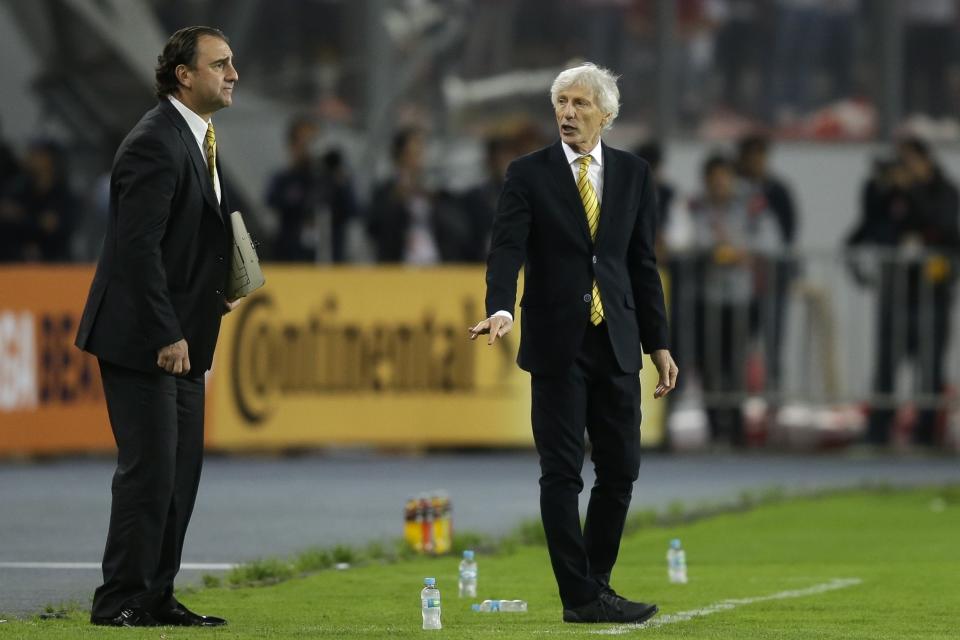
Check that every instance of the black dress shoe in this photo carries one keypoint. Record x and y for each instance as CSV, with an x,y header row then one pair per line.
x,y
180,616
609,607
131,617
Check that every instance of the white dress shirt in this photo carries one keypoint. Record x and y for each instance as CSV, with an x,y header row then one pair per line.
x,y
594,169
594,175
198,126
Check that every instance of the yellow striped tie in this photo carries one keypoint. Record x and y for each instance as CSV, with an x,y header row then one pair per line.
x,y
210,142
592,207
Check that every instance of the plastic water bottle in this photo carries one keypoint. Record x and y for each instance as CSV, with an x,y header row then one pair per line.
x,y
468,575
677,562
430,604
501,606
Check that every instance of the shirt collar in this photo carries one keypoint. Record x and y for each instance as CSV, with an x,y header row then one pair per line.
x,y
573,156
198,126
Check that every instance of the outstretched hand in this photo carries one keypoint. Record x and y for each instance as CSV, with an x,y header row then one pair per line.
x,y
494,326
230,305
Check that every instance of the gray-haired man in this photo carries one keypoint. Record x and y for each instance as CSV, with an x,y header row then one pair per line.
x,y
580,217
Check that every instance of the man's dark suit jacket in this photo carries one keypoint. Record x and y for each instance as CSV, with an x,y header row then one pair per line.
x,y
165,261
389,221
541,224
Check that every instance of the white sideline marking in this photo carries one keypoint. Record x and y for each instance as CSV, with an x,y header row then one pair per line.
x,y
729,603
195,566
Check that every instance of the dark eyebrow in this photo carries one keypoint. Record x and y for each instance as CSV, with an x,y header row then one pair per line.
x,y
221,60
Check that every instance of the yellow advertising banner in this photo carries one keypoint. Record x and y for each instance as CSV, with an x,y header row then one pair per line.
x,y
375,356
320,356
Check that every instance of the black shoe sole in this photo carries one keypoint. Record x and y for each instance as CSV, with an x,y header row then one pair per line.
x,y
197,621
652,612
111,622
574,618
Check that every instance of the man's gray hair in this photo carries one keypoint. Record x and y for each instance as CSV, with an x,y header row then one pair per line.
x,y
590,76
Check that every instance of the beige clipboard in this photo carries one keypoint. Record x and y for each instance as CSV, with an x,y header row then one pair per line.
x,y
245,273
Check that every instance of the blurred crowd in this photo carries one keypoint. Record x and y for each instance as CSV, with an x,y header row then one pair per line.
x,y
727,248
729,251
38,211
909,207
780,62
408,218
804,68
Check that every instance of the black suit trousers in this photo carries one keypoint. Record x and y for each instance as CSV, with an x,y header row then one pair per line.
x,y
595,395
157,422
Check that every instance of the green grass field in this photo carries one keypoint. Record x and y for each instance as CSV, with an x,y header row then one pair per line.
x,y
902,546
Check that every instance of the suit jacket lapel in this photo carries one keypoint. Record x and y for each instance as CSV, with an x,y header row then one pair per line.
x,y
568,188
611,180
224,206
200,166
199,163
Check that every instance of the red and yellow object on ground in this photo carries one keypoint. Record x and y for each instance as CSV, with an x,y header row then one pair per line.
x,y
428,523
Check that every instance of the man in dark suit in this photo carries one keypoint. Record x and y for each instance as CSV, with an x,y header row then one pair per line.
x,y
772,193
411,223
152,319
581,218
911,217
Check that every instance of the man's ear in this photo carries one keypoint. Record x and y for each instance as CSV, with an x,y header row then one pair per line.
x,y
182,72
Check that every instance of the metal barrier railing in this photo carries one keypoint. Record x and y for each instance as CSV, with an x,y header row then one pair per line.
x,y
870,327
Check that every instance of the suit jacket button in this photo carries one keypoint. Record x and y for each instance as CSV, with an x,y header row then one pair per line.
x,y
586,297
220,259
219,292
594,259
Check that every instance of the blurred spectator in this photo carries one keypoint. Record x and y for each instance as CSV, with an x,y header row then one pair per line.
x,y
341,200
910,208
411,223
652,152
810,36
740,55
480,203
679,287
11,218
697,25
91,229
930,30
9,166
838,51
730,230
293,194
606,31
38,210
753,166
307,194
